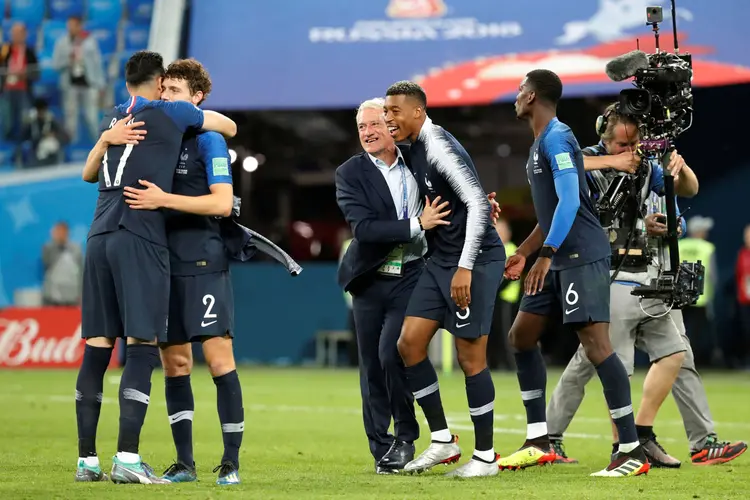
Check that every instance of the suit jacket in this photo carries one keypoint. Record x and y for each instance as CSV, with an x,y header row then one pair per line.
x,y
363,196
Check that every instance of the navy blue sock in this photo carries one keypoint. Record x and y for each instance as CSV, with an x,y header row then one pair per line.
x,y
617,393
135,391
180,407
231,415
532,378
89,387
423,383
480,392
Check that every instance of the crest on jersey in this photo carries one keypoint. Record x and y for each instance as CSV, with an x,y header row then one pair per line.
x,y
418,9
184,157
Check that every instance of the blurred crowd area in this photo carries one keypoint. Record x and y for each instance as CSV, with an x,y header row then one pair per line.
x,y
61,63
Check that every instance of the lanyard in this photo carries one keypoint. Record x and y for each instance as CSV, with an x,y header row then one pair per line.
x,y
405,199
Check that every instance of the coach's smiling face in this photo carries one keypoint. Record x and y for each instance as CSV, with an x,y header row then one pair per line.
x,y
373,134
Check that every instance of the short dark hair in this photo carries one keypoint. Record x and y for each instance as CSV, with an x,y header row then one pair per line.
x,y
409,89
545,84
143,66
193,73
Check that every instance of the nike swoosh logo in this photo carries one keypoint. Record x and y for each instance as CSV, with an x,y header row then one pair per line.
x,y
462,325
572,310
204,324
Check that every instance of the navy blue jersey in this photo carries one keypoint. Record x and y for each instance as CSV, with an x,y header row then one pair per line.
x,y
555,155
153,159
195,244
443,168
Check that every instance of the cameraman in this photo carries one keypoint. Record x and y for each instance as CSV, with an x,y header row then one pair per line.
x,y
660,335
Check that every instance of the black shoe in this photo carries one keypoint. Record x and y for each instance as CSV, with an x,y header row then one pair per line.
x,y
385,471
656,454
400,454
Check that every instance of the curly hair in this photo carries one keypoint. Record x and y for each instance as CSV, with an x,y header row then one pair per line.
x,y
193,73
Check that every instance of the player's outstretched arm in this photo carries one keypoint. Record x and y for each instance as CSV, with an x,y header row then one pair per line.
x,y
121,132
216,122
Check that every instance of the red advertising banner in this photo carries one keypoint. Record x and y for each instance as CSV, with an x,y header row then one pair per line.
x,y
45,337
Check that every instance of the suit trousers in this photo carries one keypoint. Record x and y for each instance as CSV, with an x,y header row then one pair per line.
x,y
379,310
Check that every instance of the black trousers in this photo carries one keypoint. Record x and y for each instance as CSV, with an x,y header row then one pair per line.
x,y
378,315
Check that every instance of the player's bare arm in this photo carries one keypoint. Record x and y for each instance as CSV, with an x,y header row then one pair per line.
x,y
121,132
218,203
217,122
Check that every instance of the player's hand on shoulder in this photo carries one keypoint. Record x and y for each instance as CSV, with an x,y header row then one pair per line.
x,y
461,287
514,267
151,198
433,214
123,132
626,161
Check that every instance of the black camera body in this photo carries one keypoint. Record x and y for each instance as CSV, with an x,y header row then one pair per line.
x,y
677,289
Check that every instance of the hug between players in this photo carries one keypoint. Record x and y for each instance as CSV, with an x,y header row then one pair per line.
x,y
426,254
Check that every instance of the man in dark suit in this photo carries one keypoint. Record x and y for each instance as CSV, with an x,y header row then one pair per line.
x,y
380,199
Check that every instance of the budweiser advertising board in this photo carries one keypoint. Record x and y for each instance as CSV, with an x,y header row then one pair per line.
x,y
45,337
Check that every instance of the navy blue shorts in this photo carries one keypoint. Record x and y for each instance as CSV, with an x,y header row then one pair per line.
x,y
431,298
200,306
125,287
580,294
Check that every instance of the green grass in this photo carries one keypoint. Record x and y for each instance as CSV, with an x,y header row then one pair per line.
x,y
304,439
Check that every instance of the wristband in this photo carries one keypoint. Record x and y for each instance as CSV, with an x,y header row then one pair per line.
x,y
547,252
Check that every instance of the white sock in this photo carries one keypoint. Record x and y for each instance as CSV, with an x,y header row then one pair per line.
x,y
486,455
443,436
90,461
128,458
536,430
628,447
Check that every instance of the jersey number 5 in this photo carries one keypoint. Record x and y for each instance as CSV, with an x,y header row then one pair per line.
x,y
120,167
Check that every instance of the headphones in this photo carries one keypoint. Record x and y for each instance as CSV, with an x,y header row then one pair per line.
x,y
601,121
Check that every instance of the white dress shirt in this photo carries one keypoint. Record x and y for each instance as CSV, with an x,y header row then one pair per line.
x,y
395,175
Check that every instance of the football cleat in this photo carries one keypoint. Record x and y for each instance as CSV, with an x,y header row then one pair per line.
x,y
717,452
180,473
529,455
435,454
656,454
228,474
88,473
135,473
560,456
476,467
629,464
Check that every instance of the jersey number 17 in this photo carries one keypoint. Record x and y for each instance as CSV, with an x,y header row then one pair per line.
x,y
120,165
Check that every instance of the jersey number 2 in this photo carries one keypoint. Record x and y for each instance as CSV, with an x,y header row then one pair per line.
x,y
120,167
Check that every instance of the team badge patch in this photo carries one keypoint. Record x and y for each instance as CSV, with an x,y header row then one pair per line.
x,y
220,166
563,161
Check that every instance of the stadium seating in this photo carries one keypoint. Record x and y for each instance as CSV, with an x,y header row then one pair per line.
x,y
121,27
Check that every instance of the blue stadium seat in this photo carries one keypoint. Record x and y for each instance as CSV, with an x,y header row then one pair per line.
x,y
106,12
61,10
140,11
30,12
50,93
48,76
52,30
105,35
31,30
121,91
136,36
